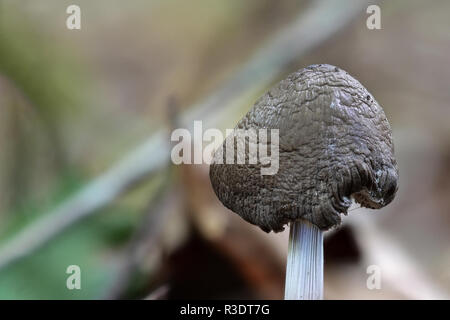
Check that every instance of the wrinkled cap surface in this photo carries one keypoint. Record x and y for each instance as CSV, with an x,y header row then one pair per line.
x,y
335,144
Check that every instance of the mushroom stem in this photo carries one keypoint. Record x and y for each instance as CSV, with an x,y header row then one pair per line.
x,y
304,270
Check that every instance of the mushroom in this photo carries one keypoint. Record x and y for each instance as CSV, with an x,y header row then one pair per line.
x,y
335,146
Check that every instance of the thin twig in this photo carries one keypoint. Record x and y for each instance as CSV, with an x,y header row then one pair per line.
x,y
159,294
145,239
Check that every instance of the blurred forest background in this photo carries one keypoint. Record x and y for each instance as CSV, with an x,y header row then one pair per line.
x,y
84,174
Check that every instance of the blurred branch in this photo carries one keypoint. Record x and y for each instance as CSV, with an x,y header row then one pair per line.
x,y
312,27
398,269
158,294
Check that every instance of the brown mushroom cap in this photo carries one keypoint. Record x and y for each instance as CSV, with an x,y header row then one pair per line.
x,y
335,144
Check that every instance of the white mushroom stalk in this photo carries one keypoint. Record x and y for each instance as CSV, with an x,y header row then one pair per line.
x,y
335,144
304,268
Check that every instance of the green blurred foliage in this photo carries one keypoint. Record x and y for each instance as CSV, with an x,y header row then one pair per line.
x,y
52,79
42,276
